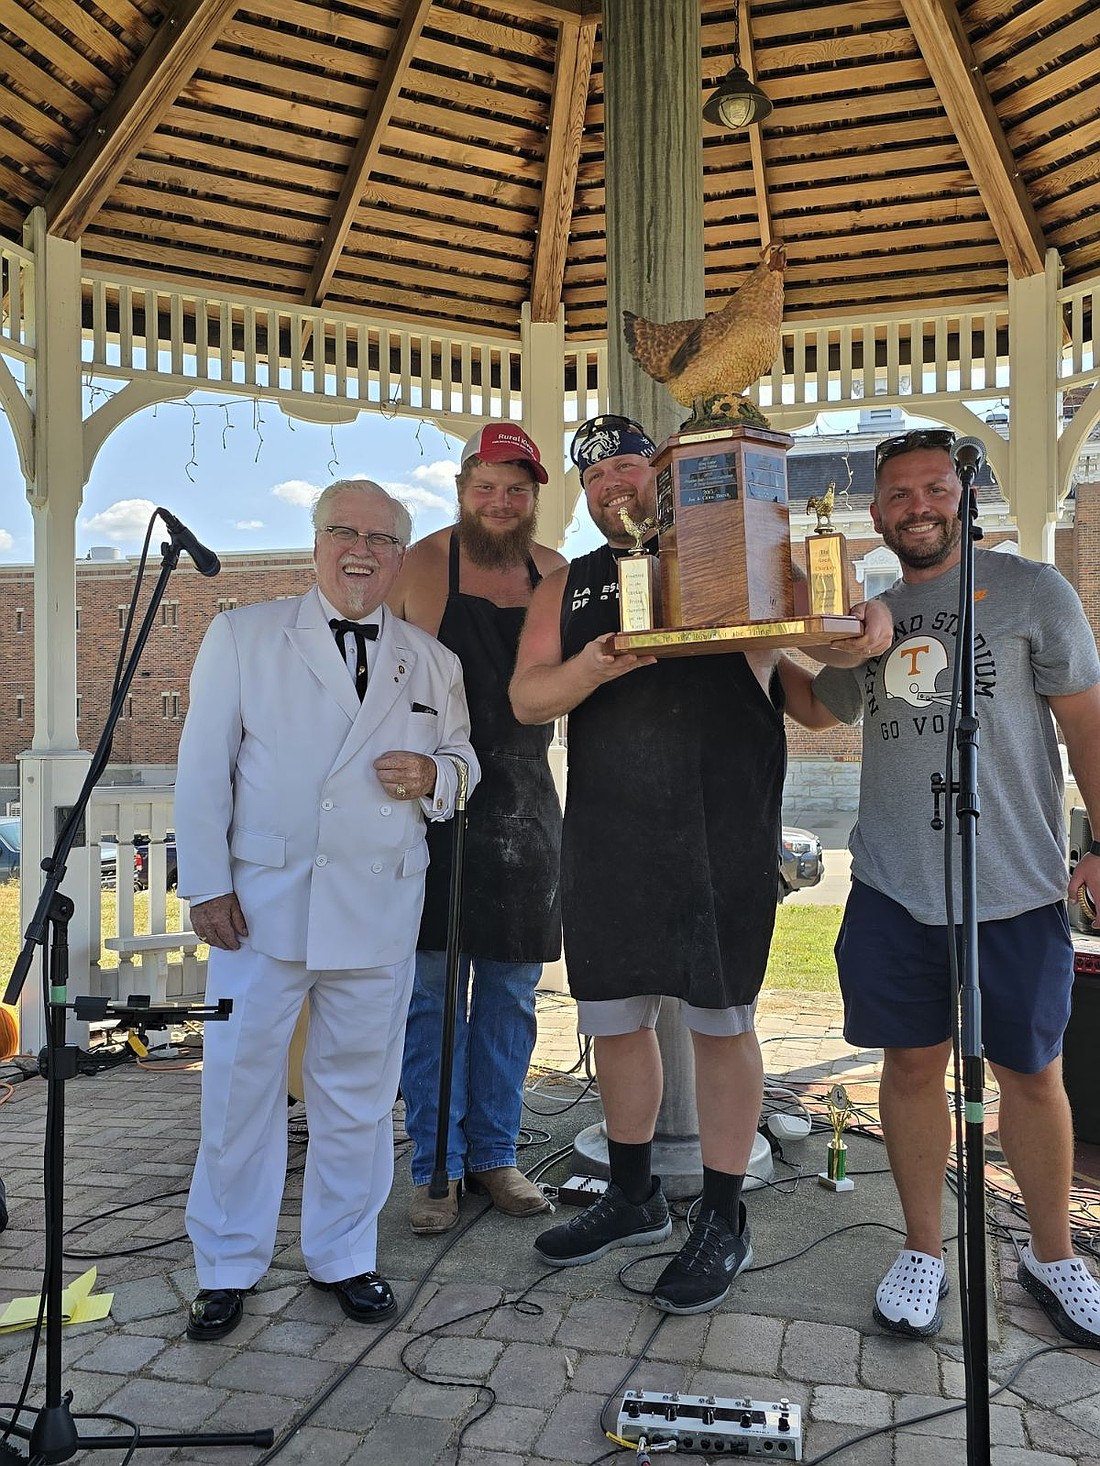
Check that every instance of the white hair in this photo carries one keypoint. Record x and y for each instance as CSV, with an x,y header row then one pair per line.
x,y
402,519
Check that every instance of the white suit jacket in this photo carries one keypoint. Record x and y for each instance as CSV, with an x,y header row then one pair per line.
x,y
276,794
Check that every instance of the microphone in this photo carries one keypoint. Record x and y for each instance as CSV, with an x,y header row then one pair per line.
x,y
206,562
968,455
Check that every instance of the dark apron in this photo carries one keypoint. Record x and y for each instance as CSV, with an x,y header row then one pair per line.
x,y
510,900
672,823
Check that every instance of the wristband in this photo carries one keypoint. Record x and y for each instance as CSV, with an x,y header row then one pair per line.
x,y
1094,848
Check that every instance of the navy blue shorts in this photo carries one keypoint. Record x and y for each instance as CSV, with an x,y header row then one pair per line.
x,y
896,980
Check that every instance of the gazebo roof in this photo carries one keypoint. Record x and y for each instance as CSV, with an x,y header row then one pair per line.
x,y
444,161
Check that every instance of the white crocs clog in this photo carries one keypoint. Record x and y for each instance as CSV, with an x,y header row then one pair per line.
x,y
1068,1294
908,1298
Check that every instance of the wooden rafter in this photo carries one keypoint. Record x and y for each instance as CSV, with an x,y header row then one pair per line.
x,y
756,145
572,72
946,49
184,37
562,11
382,103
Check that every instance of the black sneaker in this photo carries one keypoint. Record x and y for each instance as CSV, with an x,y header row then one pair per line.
x,y
612,1221
699,1276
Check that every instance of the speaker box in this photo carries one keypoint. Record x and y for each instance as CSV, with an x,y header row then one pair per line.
x,y
1080,1048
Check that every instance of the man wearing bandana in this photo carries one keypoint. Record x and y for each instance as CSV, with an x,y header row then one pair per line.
x,y
669,871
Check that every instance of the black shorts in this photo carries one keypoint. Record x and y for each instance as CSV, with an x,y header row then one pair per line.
x,y
896,980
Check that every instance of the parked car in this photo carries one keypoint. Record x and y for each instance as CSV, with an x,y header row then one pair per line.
x,y
11,850
108,863
141,862
800,861
11,845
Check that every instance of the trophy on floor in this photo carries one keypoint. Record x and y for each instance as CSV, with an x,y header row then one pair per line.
x,y
836,1177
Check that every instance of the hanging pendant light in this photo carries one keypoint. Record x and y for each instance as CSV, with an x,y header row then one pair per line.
x,y
736,102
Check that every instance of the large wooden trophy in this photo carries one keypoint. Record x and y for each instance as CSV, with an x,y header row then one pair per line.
x,y
723,519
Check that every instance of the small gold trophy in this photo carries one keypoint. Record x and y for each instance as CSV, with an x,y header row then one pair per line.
x,y
840,1112
639,581
826,559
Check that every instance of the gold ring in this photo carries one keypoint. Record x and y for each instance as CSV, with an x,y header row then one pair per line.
x,y
400,791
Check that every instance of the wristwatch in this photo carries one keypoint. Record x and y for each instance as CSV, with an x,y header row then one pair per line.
x,y
1094,848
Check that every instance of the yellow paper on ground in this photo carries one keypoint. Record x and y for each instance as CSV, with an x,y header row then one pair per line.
x,y
77,1305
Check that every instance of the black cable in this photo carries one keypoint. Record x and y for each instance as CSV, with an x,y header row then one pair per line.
x,y
641,1354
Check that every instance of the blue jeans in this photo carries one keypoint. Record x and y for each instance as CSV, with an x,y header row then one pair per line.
x,y
494,1039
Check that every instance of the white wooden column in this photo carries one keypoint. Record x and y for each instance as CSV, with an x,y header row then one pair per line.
x,y
52,772
1035,340
543,346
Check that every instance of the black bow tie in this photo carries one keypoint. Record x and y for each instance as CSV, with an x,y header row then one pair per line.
x,y
369,629
362,633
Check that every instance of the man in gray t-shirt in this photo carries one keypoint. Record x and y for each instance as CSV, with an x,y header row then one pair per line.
x,y
1036,662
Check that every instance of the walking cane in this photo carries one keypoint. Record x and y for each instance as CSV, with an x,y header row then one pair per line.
x,y
439,1185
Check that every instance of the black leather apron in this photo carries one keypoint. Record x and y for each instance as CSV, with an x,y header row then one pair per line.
x,y
510,902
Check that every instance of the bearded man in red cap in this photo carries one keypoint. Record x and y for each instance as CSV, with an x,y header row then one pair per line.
x,y
470,586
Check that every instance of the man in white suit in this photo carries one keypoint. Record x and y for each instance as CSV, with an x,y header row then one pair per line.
x,y
317,744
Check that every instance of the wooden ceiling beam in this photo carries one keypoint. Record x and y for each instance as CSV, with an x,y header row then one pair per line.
x,y
177,48
756,142
563,12
966,99
363,159
572,72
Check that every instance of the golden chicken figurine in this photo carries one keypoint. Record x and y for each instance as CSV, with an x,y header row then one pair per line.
x,y
822,506
708,364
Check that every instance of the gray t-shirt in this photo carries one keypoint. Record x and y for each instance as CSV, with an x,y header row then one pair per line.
x,y
1032,641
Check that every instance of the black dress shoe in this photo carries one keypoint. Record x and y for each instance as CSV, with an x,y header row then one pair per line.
x,y
215,1312
366,1298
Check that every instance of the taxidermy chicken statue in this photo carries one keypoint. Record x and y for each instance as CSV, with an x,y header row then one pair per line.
x,y
708,364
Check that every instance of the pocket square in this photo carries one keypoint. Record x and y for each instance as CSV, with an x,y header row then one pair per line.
x,y
422,707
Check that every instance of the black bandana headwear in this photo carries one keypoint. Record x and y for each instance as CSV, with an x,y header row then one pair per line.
x,y
608,436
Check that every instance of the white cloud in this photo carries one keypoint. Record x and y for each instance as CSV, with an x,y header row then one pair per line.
x,y
122,522
249,524
297,491
416,498
437,475
6,540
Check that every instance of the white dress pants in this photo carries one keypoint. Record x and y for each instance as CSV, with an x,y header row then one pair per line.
x,y
350,1070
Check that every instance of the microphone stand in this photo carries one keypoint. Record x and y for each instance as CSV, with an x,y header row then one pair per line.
x,y
54,1436
973,1259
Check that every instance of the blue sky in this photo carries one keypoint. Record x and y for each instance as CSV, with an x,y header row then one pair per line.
x,y
241,475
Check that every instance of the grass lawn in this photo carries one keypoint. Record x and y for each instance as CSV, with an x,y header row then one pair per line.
x,y
11,935
802,949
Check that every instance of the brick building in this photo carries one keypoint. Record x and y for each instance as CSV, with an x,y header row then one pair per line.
x,y
824,766
148,732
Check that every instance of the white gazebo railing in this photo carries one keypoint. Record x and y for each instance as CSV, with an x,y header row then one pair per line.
x,y
152,959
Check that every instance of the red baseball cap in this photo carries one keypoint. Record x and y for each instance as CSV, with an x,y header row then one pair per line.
x,y
505,442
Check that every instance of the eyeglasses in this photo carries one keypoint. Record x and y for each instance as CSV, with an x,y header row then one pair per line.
x,y
911,442
607,422
344,535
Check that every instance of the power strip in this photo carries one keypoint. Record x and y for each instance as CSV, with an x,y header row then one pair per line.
x,y
582,1190
713,1424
